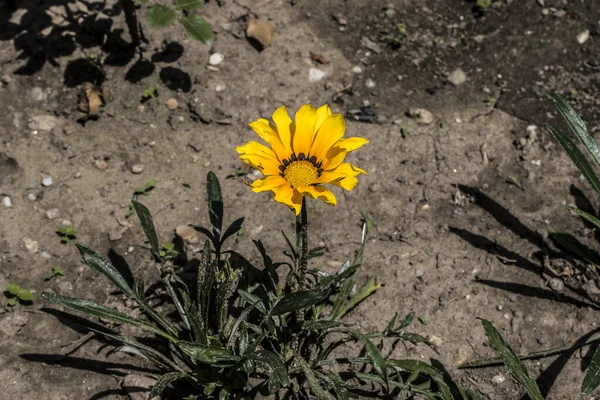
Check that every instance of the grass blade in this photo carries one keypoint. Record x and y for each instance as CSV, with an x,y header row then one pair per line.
x,y
591,381
273,364
97,310
105,267
215,204
164,381
147,224
511,361
577,126
578,158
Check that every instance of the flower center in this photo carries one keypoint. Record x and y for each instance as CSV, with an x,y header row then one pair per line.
x,y
301,173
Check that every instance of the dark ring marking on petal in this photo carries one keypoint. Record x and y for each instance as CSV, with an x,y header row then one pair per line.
x,y
293,158
313,160
282,175
320,171
282,168
286,162
301,156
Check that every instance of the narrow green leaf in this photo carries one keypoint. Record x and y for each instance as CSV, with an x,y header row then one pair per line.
x,y
585,215
368,289
147,224
511,361
188,5
577,157
379,365
160,15
232,229
164,381
299,300
208,354
591,381
313,383
253,300
198,28
154,355
577,126
215,203
105,267
415,365
97,310
273,364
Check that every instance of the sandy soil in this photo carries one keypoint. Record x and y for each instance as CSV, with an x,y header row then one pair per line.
x,y
461,205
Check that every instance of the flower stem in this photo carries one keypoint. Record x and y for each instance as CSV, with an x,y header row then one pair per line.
x,y
302,245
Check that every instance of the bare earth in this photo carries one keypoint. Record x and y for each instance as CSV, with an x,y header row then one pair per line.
x,y
461,206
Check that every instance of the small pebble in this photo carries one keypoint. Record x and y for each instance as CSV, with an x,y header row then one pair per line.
x,y
315,75
419,272
498,379
52,213
357,70
216,59
499,308
556,284
46,255
31,245
47,181
220,88
457,77
370,83
172,104
186,233
583,36
7,201
137,168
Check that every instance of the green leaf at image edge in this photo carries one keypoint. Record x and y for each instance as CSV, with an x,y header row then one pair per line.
x,y
198,28
514,365
591,381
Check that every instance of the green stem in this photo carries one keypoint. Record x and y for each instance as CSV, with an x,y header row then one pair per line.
x,y
302,244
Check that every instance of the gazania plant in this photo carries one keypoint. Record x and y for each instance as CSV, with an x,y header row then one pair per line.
x,y
235,330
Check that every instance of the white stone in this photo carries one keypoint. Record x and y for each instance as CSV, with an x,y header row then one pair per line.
x,y
31,245
357,70
7,201
370,83
137,168
47,181
42,123
52,213
457,77
216,59
498,379
315,75
220,88
583,36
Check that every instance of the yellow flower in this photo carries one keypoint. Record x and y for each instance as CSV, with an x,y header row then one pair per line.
x,y
302,156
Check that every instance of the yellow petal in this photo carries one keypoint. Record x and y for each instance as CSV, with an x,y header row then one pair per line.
x,y
305,130
268,133
285,127
260,157
268,183
338,152
343,176
322,113
328,134
319,192
289,196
